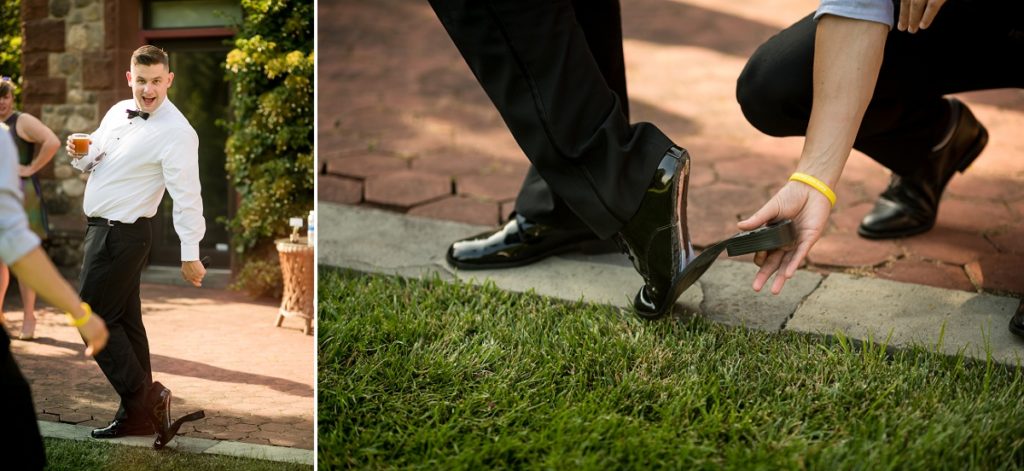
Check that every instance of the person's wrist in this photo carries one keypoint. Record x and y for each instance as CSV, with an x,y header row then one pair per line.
x,y
816,184
79,321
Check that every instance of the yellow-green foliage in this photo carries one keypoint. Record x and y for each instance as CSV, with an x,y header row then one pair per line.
x,y
270,148
10,39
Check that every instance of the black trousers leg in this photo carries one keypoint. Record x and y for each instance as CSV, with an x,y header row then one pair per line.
x,y
970,46
533,60
23,443
111,271
601,23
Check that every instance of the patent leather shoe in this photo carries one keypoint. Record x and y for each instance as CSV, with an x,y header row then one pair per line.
x,y
160,408
160,416
1017,321
121,428
910,204
521,242
657,239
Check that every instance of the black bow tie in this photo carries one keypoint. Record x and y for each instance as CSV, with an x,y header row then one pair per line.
x,y
134,113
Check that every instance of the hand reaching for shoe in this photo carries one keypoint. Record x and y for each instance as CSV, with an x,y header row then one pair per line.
x,y
847,57
809,211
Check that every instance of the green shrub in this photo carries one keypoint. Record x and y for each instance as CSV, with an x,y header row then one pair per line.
x,y
10,39
260,278
270,146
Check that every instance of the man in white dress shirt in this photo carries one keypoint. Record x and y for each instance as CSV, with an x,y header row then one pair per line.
x,y
143,145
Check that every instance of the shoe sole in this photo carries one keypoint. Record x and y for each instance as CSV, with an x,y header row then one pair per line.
x,y
172,431
976,147
894,235
126,434
770,237
131,431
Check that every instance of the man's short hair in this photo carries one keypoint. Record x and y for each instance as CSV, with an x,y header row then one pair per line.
x,y
150,55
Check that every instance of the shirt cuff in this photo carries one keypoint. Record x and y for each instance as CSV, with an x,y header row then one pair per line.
x,y
86,163
867,10
189,253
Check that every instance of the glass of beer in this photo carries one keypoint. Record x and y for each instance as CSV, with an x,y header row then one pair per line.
x,y
80,141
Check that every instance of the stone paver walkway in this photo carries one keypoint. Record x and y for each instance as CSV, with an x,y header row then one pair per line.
x,y
216,350
404,126
863,308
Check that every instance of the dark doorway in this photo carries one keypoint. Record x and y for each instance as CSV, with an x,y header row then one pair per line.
x,y
203,96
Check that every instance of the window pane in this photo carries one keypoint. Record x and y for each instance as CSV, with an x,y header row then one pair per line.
x,y
192,13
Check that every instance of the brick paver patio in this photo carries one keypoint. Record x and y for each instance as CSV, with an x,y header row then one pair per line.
x,y
404,126
216,350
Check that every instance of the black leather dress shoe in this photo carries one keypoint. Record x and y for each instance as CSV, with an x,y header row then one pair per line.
x,y
1017,321
521,242
911,202
657,239
120,428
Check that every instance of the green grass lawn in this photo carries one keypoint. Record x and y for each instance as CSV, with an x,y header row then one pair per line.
x,y
90,455
447,375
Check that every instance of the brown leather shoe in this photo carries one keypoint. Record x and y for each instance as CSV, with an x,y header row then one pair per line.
x,y
160,412
910,204
160,416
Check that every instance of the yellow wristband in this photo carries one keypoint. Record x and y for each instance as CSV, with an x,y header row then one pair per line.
x,y
81,320
816,184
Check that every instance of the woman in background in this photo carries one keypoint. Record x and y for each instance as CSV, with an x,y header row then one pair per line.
x,y
36,146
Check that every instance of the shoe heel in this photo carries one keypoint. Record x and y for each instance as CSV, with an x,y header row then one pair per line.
x,y
770,237
976,147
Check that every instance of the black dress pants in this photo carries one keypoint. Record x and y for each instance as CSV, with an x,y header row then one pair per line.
x,y
111,274
971,45
533,59
601,24
22,443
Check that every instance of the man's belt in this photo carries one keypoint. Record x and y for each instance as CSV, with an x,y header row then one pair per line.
x,y
95,221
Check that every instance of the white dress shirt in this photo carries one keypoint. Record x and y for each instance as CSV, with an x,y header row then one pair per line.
x,y
133,160
16,239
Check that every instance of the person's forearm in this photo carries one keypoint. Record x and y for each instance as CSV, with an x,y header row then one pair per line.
x,y
847,57
35,270
33,130
46,152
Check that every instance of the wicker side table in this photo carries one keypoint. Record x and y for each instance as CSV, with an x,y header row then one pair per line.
x,y
297,269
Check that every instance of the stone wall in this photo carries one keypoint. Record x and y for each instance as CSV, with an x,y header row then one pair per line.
x,y
69,81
